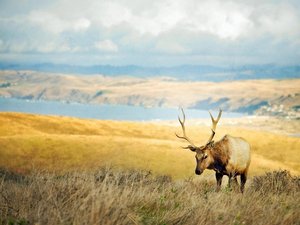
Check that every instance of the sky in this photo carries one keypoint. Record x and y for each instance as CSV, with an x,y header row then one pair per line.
x,y
150,32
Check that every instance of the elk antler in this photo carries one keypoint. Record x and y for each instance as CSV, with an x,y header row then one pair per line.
x,y
214,125
191,146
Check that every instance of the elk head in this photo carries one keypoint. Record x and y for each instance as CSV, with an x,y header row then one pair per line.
x,y
203,153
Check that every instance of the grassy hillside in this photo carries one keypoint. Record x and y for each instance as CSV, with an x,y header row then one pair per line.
x,y
30,142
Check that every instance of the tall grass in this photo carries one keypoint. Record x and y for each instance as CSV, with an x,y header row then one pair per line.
x,y
137,197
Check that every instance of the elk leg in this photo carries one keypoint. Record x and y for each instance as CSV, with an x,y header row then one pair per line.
x,y
243,181
219,177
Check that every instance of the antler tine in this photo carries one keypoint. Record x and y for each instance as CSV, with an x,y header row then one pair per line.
x,y
182,114
183,130
214,125
214,122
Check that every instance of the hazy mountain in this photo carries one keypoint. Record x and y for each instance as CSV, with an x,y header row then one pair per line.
x,y
183,72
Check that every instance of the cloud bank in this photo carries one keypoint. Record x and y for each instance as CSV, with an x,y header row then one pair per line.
x,y
150,32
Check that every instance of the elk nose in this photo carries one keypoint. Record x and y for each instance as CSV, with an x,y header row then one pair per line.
x,y
198,172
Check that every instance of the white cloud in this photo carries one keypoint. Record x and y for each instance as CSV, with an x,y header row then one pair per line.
x,y
164,16
156,17
54,24
81,24
281,20
106,46
216,17
48,21
222,19
111,13
225,20
187,28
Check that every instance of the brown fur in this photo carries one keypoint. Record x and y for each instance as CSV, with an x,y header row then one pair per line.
x,y
216,156
220,151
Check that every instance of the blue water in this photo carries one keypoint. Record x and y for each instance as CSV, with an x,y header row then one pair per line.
x,y
106,112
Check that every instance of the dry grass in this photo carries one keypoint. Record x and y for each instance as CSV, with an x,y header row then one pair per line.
x,y
135,197
34,142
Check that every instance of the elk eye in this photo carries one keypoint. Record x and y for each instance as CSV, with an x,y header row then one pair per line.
x,y
204,156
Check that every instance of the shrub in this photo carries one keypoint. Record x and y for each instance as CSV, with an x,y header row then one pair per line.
x,y
276,182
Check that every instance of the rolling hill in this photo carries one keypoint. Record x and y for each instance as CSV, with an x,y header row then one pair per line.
x,y
34,142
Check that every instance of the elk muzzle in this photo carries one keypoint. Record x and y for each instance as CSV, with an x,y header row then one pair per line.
x,y
198,172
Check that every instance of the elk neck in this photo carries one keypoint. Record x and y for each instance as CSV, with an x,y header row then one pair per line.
x,y
220,153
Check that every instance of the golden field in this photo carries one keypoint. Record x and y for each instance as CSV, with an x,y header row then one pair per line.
x,y
53,143
62,170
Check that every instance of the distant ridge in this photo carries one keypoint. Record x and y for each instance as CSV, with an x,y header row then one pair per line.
x,y
265,96
183,72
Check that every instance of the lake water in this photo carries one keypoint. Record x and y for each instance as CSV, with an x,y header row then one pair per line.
x,y
106,112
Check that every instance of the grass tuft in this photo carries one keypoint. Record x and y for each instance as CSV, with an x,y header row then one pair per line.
x,y
277,182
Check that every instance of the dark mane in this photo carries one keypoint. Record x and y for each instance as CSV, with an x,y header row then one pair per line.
x,y
221,153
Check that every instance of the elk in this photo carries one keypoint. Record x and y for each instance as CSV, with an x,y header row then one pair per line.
x,y
229,156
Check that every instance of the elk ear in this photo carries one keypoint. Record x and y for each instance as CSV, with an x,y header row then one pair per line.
x,y
190,147
193,149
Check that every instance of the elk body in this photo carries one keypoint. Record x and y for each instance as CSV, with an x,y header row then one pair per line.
x,y
229,156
